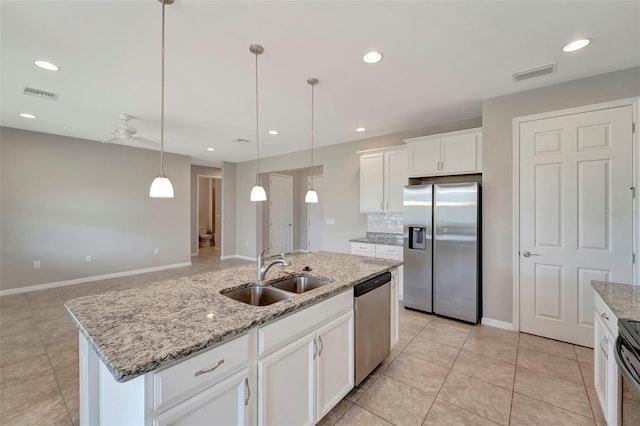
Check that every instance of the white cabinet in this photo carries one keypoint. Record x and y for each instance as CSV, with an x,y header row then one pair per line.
x,y
446,154
363,249
383,251
308,365
606,376
395,319
227,402
382,177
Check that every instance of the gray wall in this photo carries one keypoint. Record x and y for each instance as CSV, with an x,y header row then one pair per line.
x,y
195,171
65,198
497,117
229,220
341,187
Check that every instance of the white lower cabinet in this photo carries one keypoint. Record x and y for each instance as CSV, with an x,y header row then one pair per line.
x,y
605,375
227,402
301,382
395,320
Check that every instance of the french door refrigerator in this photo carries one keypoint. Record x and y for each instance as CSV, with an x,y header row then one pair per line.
x,y
442,249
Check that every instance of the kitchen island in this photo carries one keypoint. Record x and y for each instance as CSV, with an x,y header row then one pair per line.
x,y
138,347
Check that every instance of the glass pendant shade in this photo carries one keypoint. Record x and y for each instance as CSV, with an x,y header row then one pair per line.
x,y
258,193
311,197
161,188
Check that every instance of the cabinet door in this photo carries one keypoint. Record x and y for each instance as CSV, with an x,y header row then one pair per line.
x,y
614,384
424,158
395,308
395,179
600,353
226,402
459,154
335,374
371,182
286,381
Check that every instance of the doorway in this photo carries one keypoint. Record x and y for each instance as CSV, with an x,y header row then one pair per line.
x,y
208,218
575,172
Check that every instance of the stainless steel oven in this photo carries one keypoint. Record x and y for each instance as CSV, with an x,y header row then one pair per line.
x,y
627,356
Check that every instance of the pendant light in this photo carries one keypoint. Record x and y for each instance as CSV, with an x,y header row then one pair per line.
x,y
312,195
257,192
161,186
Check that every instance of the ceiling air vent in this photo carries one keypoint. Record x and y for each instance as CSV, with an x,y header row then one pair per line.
x,y
240,140
534,72
42,94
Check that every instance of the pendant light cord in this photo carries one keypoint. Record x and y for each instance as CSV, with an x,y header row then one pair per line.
x,y
257,131
311,168
162,98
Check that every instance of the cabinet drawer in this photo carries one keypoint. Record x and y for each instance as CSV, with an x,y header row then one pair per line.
x,y
605,314
273,336
363,249
171,384
389,252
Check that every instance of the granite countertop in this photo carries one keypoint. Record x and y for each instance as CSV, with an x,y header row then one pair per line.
x,y
380,238
623,299
139,330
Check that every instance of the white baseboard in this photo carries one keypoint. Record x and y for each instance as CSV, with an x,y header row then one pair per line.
x,y
238,256
194,254
497,324
45,286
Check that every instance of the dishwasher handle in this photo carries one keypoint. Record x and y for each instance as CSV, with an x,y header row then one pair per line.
x,y
371,284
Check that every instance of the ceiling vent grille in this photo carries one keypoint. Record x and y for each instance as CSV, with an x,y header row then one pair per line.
x,y
42,94
534,72
240,140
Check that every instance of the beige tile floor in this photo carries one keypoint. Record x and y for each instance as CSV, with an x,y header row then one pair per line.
x,y
441,372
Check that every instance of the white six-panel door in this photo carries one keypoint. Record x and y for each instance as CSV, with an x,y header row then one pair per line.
x,y
575,218
280,213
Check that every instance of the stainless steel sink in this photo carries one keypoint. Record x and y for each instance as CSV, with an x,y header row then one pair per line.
x,y
300,284
258,295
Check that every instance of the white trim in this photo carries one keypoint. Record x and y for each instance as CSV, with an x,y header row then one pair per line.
x,y
634,102
45,286
194,254
444,135
497,324
238,256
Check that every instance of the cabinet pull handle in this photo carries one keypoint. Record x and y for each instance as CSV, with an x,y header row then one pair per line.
x,y
321,345
605,316
199,372
315,348
603,347
381,205
246,385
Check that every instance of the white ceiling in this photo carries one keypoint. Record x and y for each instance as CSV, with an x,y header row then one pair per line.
x,y
440,60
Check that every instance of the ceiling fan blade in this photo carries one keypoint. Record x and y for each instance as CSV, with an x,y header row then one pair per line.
x,y
145,141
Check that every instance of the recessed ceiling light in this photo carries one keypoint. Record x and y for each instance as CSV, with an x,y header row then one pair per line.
x,y
47,65
27,115
576,45
360,129
211,149
273,132
372,57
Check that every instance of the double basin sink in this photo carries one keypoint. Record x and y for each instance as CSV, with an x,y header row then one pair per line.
x,y
263,295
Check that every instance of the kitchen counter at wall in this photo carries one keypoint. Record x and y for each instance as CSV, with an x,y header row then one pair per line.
x,y
380,238
623,299
139,330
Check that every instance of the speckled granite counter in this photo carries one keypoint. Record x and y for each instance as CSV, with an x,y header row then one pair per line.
x,y
380,238
623,299
139,330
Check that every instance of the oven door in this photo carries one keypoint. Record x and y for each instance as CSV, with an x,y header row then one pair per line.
x,y
629,367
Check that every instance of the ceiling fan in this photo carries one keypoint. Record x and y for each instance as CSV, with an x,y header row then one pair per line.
x,y
125,131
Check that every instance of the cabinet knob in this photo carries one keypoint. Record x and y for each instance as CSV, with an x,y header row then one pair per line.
x,y
605,316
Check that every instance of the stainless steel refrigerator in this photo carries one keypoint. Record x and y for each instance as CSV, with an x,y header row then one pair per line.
x,y
442,249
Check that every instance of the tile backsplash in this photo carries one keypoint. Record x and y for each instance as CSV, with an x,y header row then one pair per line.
x,y
385,222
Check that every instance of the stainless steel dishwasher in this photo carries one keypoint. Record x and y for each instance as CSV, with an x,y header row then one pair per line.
x,y
372,309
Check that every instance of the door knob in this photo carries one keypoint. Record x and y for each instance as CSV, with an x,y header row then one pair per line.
x,y
529,254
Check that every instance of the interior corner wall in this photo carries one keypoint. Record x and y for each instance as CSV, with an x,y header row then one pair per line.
x,y
229,219
195,171
341,186
497,208
65,198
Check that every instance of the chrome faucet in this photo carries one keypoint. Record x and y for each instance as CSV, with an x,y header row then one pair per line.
x,y
263,268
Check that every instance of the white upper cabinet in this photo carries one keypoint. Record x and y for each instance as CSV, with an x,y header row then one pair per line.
x,y
382,176
446,154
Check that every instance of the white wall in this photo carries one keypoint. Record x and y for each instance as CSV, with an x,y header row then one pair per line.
x,y
64,199
497,116
341,186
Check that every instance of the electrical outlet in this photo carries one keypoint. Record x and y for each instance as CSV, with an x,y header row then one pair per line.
x,y
156,251
36,264
87,259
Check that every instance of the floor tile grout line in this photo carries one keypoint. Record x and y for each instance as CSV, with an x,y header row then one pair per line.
x,y
593,412
554,405
66,406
